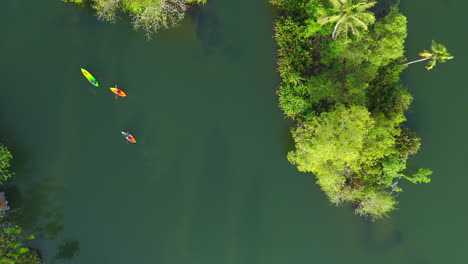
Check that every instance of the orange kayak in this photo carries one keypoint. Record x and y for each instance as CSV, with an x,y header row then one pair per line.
x,y
117,91
129,137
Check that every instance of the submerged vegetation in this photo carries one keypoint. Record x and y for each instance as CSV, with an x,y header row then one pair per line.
x,y
149,16
340,69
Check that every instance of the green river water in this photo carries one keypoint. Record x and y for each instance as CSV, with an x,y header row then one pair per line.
x,y
207,181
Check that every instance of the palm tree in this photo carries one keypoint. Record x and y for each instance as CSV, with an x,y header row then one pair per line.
x,y
349,15
438,53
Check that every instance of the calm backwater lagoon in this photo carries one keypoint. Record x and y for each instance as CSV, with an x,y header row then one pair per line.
x,y
207,181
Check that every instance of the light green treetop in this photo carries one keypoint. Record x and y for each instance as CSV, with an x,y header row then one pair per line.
x,y
348,16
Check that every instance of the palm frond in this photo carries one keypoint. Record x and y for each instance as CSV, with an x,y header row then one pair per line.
x,y
426,54
328,19
431,64
338,3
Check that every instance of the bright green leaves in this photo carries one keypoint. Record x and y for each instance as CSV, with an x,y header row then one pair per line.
x,y
5,157
389,37
346,139
354,158
348,16
196,1
12,231
147,15
393,170
421,176
347,100
376,204
12,248
107,9
352,155
292,101
438,53
295,51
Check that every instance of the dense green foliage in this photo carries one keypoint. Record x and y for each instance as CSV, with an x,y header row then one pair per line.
x,y
340,69
347,17
12,249
5,157
147,15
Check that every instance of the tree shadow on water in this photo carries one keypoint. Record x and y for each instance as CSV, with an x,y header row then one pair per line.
x,y
67,250
42,212
208,27
35,202
36,206
381,236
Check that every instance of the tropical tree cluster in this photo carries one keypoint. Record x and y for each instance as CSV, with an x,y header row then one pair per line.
x,y
149,16
340,67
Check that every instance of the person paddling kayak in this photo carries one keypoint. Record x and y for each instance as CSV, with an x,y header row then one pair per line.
x,y
117,92
128,137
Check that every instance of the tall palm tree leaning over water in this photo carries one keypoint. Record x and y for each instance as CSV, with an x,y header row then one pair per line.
x,y
438,53
348,16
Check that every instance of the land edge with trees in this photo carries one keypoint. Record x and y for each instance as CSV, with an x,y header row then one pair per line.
x,y
149,16
12,237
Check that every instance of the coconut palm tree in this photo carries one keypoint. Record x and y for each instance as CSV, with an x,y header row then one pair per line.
x,y
438,53
348,16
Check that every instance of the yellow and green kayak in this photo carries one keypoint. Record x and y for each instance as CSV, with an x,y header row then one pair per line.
x,y
90,77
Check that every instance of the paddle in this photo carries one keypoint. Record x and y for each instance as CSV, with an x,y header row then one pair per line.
x,y
128,135
117,92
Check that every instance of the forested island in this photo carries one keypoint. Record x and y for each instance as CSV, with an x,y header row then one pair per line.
x,y
340,64
150,16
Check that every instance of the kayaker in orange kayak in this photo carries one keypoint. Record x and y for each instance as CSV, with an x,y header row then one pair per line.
x,y
130,138
118,92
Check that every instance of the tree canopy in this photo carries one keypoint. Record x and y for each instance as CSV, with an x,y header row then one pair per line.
x,y
348,16
347,99
150,16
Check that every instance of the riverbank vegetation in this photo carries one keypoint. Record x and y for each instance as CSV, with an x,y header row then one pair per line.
x,y
12,249
340,65
5,157
149,16
12,238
